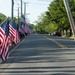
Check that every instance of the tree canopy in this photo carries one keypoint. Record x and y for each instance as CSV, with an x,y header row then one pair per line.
x,y
55,18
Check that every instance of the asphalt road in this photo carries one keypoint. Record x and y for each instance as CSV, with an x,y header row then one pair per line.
x,y
41,55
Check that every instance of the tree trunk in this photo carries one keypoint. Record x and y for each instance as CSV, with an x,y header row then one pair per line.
x,y
70,32
66,33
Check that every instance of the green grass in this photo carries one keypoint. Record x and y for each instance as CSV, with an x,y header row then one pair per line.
x,y
68,37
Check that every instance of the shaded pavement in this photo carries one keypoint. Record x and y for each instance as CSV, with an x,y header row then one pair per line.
x,y
37,55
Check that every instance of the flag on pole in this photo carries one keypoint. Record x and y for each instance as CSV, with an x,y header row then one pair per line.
x,y
22,19
13,32
24,24
21,29
30,30
4,39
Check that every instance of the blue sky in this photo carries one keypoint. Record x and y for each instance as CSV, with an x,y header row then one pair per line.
x,y
34,8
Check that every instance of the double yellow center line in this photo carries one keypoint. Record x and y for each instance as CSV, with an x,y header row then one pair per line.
x,y
59,44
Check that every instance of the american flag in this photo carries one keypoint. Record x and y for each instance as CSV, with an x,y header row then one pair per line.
x,y
13,32
22,19
26,28
4,39
21,29
24,24
29,30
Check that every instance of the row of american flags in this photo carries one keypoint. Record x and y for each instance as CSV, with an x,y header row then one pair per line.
x,y
10,32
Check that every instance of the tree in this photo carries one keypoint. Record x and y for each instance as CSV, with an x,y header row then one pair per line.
x,y
2,17
55,18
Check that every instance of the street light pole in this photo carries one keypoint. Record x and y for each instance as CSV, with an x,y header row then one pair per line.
x,y
66,3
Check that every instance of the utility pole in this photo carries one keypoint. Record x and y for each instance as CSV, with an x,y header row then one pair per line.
x,y
24,9
66,3
12,11
21,8
18,17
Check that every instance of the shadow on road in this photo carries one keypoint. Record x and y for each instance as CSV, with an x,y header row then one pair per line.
x,y
40,57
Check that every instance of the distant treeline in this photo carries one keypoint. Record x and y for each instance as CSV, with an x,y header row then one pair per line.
x,y
3,17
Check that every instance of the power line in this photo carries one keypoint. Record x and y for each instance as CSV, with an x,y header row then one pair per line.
x,y
44,0
39,3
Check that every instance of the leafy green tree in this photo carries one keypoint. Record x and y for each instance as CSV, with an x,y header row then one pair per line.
x,y
55,19
2,17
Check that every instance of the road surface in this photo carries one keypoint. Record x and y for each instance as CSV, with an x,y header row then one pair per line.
x,y
41,55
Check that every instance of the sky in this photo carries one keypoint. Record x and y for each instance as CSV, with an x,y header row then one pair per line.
x,y
34,8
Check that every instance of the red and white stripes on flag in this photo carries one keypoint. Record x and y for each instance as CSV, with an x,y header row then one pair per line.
x,y
17,37
13,33
26,28
5,47
2,35
2,38
4,44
